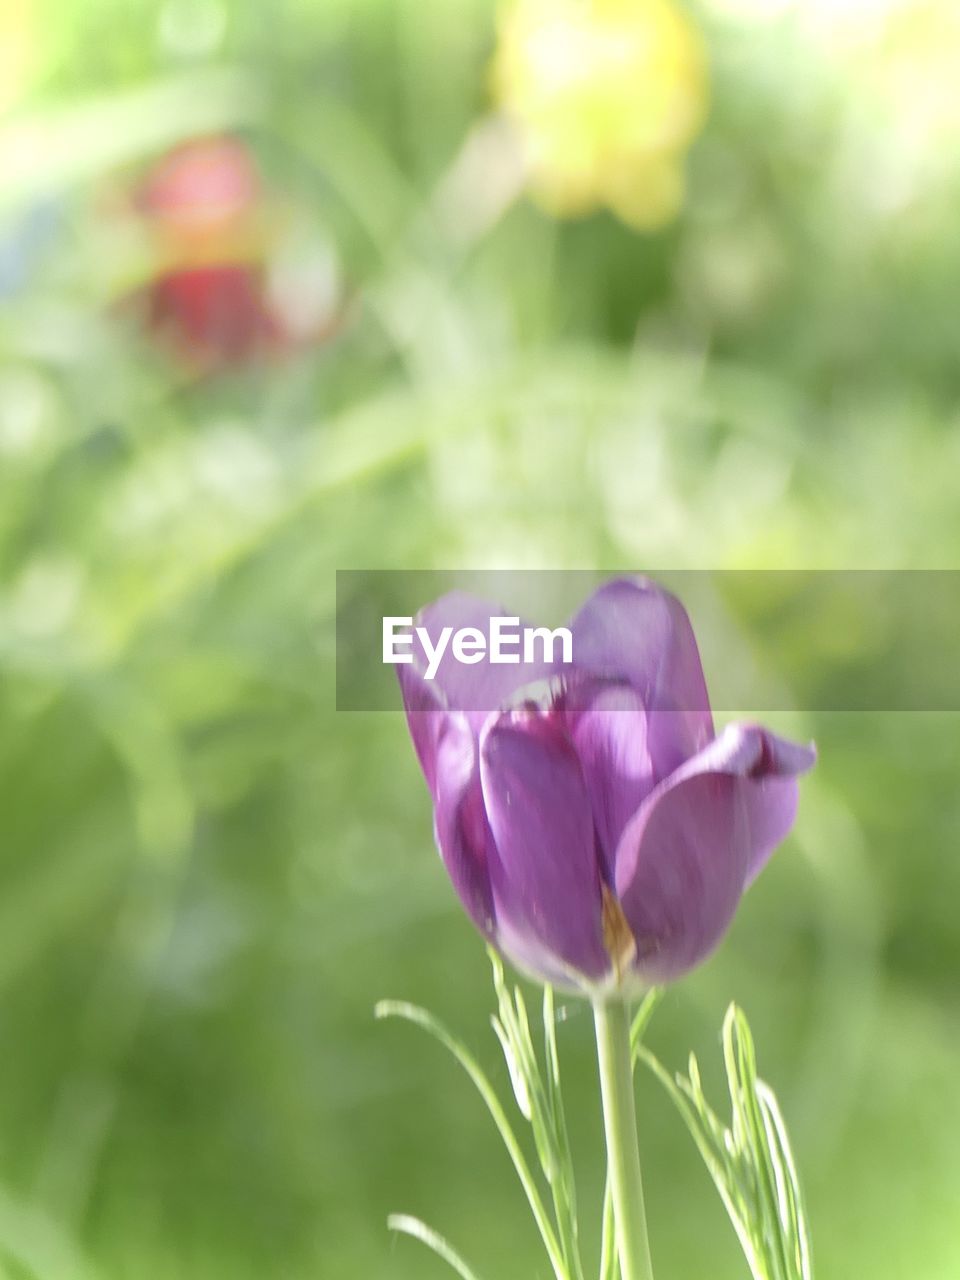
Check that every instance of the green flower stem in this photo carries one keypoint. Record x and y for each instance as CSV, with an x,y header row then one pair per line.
x,y
620,1124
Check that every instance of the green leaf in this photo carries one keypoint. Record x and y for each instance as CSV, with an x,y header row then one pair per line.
x,y
750,1160
421,1018
433,1240
540,1100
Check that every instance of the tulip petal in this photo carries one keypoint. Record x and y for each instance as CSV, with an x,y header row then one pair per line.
x,y
478,686
426,718
771,764
633,630
608,724
546,877
774,796
687,855
460,825
475,689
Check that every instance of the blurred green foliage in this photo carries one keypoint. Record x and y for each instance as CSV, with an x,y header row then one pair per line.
x,y
207,875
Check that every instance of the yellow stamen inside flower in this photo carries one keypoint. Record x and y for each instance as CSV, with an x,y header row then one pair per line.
x,y
617,935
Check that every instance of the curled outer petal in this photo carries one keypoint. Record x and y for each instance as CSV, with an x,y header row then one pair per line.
x,y
687,855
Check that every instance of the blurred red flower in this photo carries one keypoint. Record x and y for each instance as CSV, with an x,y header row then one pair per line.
x,y
213,233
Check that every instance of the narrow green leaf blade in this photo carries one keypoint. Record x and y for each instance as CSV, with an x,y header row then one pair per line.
x,y
410,1226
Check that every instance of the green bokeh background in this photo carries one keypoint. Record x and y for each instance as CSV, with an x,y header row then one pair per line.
x,y
208,876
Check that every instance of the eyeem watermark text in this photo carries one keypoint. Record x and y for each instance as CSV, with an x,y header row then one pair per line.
x,y
504,642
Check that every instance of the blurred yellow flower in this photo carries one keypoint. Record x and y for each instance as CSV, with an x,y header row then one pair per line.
x,y
607,95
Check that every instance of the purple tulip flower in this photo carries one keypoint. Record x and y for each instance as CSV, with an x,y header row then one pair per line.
x,y
597,830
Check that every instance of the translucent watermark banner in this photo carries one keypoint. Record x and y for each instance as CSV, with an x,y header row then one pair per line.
x,y
857,640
